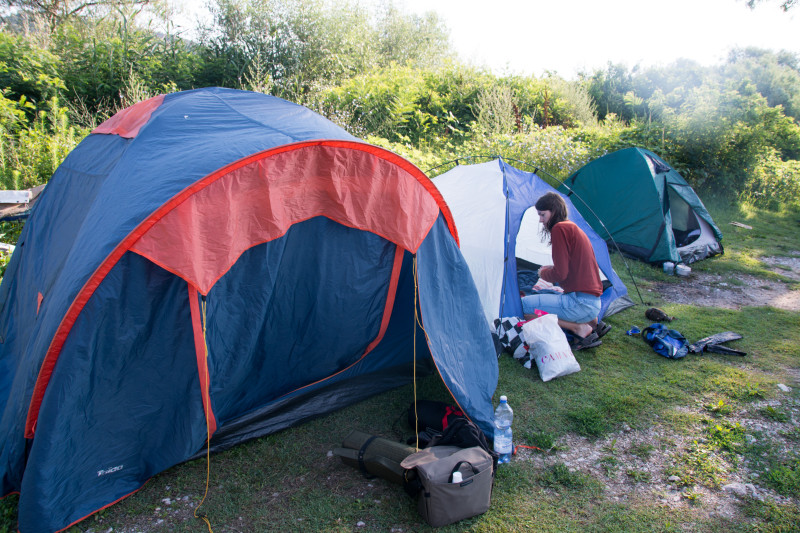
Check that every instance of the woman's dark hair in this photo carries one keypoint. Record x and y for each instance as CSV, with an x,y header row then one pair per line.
x,y
554,203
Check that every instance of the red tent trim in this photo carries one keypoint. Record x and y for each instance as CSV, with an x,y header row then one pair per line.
x,y
130,120
104,507
392,292
202,359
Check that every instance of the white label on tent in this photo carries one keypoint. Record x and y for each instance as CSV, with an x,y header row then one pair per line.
x,y
110,470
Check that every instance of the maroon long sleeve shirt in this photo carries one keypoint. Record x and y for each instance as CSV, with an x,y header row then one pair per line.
x,y
574,266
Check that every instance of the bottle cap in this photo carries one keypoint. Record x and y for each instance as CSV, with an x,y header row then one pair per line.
x,y
457,478
503,399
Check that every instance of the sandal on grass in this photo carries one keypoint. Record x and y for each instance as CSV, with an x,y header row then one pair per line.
x,y
602,328
591,340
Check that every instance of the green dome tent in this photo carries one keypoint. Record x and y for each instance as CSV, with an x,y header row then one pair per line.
x,y
635,198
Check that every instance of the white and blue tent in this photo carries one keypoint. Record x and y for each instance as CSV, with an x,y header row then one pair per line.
x,y
493,207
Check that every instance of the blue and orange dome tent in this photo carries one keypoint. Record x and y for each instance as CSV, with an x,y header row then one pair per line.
x,y
212,266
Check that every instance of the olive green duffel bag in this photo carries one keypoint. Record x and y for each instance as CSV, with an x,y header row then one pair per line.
x,y
375,456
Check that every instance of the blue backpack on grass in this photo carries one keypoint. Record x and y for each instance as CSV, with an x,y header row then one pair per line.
x,y
667,342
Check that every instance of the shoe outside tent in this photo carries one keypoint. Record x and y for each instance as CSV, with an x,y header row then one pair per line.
x,y
493,207
635,198
218,264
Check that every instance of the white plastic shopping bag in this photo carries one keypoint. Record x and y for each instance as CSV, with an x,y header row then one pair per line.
x,y
549,347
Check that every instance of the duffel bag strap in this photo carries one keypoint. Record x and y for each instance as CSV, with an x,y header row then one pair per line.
x,y
361,452
475,471
412,484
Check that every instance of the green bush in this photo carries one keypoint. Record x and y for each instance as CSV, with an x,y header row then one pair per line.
x,y
773,184
452,103
30,155
100,56
27,70
553,150
404,104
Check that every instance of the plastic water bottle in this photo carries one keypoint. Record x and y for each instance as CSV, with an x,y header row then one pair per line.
x,y
503,416
457,477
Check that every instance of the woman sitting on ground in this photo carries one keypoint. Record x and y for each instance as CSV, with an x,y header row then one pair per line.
x,y
575,270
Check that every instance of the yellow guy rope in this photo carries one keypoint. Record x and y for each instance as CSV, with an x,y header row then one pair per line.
x,y
414,359
206,408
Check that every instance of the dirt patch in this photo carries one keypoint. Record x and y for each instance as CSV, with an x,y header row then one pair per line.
x,y
786,266
634,466
734,291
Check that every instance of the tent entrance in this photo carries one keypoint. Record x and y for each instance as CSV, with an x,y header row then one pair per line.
x,y
694,237
685,222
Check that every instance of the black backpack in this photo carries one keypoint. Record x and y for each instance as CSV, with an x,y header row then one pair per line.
x,y
463,432
432,415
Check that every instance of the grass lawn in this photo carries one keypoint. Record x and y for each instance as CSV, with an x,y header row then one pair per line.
x,y
632,442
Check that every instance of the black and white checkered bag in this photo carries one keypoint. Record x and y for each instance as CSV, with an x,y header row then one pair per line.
x,y
509,330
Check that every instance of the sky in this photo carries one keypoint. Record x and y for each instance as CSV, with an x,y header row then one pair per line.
x,y
565,37
532,37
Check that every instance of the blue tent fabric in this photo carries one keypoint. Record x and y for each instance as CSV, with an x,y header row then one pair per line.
x,y
367,375
444,280
112,412
100,380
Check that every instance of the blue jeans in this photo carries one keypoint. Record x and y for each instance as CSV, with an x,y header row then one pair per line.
x,y
576,307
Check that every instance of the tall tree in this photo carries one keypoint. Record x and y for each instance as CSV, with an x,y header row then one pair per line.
x,y
305,43
776,75
278,38
608,89
57,12
422,40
